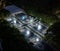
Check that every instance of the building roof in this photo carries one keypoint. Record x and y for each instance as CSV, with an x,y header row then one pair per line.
x,y
13,9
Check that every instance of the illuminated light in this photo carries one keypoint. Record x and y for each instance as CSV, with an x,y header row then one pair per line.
x,y
27,32
24,17
31,20
36,24
9,19
39,27
37,39
14,21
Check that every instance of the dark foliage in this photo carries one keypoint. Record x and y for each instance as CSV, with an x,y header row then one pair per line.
x,y
54,37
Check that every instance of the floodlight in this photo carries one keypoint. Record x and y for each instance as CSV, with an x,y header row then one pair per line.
x,y
24,17
27,32
31,20
37,39
14,21
39,27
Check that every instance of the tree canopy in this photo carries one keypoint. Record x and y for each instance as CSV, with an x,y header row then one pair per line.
x,y
53,35
4,13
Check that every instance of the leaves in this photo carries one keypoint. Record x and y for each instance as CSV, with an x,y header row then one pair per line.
x,y
4,13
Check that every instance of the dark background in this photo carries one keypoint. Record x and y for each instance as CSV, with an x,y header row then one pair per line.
x,y
45,6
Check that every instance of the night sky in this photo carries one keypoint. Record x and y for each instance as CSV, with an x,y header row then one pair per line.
x,y
41,3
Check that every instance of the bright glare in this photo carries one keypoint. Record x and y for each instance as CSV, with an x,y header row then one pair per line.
x,y
9,19
15,21
31,20
23,17
39,27
37,39
27,32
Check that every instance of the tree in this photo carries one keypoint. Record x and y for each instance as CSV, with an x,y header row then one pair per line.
x,y
53,35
